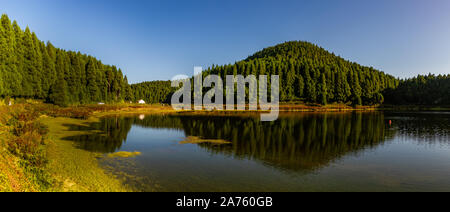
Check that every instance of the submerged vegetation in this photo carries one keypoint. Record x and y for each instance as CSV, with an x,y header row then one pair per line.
x,y
124,154
198,140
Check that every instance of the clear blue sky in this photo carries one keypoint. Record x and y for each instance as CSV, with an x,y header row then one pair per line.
x,y
154,40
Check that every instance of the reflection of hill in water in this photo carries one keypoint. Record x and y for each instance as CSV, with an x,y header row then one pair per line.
x,y
305,141
302,142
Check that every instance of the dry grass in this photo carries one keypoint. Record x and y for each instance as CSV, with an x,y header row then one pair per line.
x,y
22,158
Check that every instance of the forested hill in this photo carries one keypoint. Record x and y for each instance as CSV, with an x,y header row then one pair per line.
x,y
308,73
29,68
153,92
311,74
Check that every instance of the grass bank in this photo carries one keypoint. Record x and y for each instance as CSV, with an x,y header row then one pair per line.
x,y
75,169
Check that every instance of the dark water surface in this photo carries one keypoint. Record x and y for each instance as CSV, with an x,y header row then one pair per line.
x,y
374,151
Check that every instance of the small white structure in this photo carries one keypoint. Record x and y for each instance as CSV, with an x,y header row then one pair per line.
x,y
101,103
10,103
141,101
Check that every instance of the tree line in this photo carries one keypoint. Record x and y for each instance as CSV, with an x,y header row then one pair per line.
x,y
31,68
421,90
153,92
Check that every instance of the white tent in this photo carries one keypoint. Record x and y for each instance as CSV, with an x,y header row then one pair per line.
x,y
141,101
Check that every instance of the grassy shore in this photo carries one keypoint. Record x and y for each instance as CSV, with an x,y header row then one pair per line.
x,y
75,169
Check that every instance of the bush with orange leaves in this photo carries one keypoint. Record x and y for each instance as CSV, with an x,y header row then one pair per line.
x,y
26,140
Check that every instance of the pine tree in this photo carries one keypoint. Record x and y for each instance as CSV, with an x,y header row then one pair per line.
x,y
16,77
310,86
74,79
341,87
290,82
323,90
48,70
356,87
58,92
129,95
93,89
38,67
2,61
30,82
300,86
7,55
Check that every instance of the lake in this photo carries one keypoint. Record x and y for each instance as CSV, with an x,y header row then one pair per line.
x,y
352,151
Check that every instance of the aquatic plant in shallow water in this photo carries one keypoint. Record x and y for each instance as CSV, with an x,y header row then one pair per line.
x,y
124,154
198,140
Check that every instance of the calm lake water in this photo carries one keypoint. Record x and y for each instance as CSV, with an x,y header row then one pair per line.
x,y
374,151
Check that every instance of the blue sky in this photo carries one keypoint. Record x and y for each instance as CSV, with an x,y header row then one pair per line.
x,y
156,40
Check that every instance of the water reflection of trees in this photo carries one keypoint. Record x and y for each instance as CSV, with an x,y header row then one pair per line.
x,y
106,136
298,141
294,142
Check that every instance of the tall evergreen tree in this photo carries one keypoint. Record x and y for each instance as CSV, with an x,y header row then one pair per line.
x,y
323,90
2,63
58,92
30,82
356,87
7,55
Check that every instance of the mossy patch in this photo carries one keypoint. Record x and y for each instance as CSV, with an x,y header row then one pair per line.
x,y
198,140
76,170
124,154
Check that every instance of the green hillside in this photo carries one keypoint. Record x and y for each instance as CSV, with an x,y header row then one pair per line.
x,y
311,74
308,73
